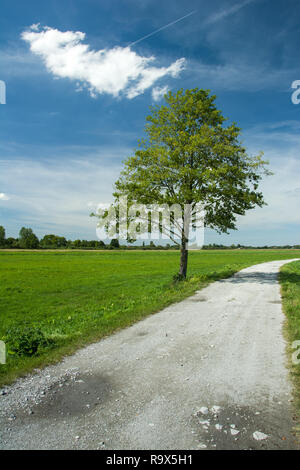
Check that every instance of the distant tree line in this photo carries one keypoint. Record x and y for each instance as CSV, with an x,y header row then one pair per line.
x,y
215,246
29,241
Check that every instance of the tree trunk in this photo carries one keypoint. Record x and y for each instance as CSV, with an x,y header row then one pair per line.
x,y
184,240
183,260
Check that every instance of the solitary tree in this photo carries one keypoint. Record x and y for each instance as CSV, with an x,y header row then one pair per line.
x,y
189,158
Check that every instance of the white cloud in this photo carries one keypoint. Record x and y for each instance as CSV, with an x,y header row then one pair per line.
x,y
114,71
158,93
4,197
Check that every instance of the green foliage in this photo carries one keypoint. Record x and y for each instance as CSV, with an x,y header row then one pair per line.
x,y
178,277
114,243
53,241
189,157
11,242
25,340
27,239
2,235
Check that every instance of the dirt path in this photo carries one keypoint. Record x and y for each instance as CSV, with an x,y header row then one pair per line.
x,y
208,372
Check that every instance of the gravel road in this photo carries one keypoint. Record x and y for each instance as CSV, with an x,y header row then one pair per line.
x,y
206,373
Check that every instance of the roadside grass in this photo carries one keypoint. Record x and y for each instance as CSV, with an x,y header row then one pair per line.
x,y
290,288
75,298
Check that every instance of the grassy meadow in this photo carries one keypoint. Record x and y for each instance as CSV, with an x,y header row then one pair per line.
x,y
290,289
74,298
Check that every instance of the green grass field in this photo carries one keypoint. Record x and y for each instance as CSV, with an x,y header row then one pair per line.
x,y
79,297
290,282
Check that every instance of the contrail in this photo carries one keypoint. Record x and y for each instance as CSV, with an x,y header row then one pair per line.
x,y
224,13
163,27
212,19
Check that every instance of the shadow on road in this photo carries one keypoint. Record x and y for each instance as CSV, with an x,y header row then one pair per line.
x,y
264,278
256,277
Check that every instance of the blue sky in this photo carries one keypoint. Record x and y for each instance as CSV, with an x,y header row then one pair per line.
x,y
78,91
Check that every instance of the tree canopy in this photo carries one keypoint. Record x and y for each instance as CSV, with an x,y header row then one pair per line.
x,y
28,239
2,235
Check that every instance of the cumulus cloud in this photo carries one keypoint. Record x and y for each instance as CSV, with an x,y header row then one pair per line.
x,y
115,71
4,197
